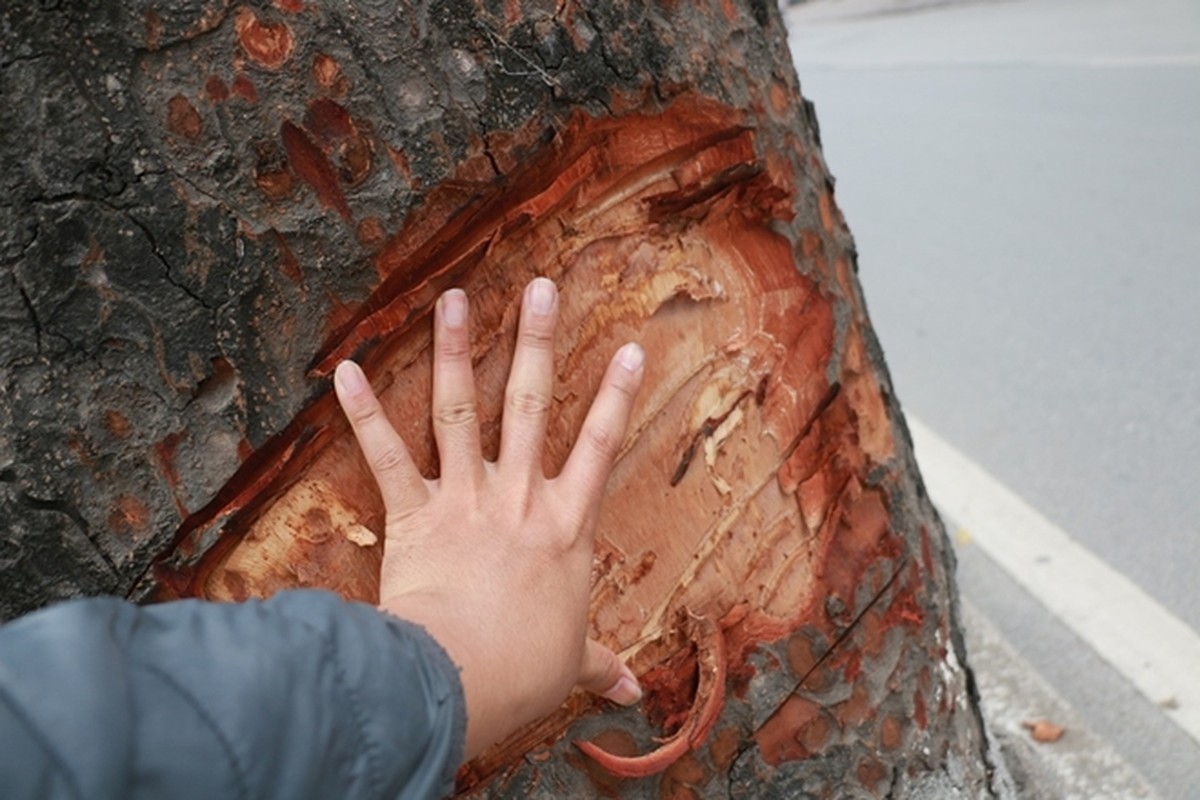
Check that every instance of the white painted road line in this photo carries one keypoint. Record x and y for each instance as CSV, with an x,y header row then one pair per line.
x,y
1145,642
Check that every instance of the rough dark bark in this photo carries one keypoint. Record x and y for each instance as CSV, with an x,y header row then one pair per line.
x,y
207,204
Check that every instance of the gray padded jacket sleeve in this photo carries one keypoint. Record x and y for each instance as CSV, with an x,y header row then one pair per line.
x,y
301,696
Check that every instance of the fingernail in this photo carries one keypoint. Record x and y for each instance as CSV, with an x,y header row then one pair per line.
x,y
454,308
625,691
350,377
631,356
541,296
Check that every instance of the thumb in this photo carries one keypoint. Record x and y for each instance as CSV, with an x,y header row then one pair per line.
x,y
604,674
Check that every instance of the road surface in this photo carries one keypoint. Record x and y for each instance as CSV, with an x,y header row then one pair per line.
x,y
1023,182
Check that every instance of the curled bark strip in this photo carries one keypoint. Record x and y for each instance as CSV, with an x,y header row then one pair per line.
x,y
706,707
641,766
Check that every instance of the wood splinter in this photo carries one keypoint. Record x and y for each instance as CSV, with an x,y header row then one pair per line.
x,y
706,707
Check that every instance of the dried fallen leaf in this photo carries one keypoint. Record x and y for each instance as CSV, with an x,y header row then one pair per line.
x,y
1044,731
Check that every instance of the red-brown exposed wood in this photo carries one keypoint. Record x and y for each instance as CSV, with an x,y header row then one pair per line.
x,y
645,221
244,88
182,118
312,167
267,44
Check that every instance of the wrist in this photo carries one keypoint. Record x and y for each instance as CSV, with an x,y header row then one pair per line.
x,y
435,611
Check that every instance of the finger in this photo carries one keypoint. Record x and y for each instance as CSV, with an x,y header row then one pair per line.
x,y
455,418
531,379
399,480
603,673
587,468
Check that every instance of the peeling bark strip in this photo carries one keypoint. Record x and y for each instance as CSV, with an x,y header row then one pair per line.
x,y
710,698
215,201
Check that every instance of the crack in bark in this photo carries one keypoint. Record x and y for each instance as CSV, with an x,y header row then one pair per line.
x,y
25,59
605,56
152,319
72,512
162,259
37,323
893,784
236,210
496,39
487,152
73,196
976,704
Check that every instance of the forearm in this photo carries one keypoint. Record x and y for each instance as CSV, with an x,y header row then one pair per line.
x,y
301,696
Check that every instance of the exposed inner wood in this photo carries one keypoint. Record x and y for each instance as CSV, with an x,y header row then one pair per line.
x,y
657,229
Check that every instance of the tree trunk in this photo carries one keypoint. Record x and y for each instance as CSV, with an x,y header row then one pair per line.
x,y
208,205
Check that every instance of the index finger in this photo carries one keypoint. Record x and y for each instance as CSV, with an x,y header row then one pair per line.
x,y
591,460
399,480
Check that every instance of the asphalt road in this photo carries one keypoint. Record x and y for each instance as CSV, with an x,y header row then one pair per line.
x,y
1023,182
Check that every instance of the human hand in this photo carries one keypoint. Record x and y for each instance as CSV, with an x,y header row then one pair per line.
x,y
494,559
